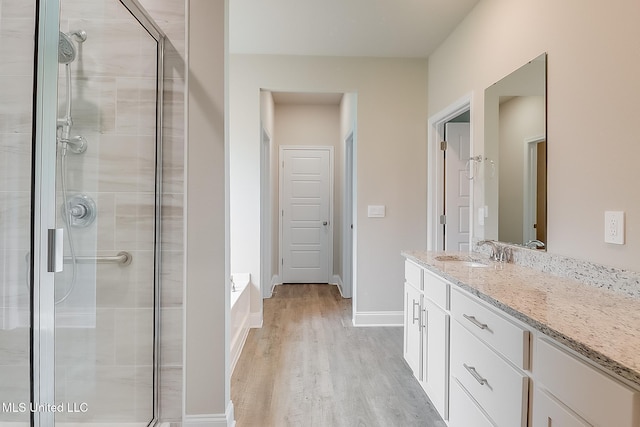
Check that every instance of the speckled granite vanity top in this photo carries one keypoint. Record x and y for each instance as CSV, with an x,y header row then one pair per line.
x,y
602,325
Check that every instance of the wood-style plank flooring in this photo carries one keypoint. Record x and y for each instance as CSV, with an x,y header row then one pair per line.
x,y
308,366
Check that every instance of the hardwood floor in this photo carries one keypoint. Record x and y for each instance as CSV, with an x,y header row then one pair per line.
x,y
308,366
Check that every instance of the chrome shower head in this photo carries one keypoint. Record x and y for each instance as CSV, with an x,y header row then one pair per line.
x,y
66,49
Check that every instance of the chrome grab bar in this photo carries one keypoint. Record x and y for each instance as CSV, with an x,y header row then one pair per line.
x,y
122,257
473,320
475,374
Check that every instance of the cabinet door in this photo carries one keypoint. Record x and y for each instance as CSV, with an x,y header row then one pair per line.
x,y
548,412
412,328
464,412
435,352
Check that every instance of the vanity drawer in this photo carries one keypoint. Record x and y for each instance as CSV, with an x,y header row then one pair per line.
x,y
463,411
549,412
504,336
595,396
436,289
500,389
413,274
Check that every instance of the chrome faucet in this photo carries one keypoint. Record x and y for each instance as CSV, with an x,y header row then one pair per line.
x,y
498,253
534,244
494,248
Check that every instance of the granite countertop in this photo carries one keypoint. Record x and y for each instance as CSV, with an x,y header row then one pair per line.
x,y
600,324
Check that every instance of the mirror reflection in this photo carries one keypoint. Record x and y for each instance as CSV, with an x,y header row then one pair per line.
x,y
516,157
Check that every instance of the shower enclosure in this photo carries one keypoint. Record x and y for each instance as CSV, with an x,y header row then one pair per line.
x,y
80,156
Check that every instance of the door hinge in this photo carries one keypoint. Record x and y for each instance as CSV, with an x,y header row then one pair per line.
x,y
443,219
282,263
443,145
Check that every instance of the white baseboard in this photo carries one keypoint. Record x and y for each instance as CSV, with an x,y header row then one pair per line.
x,y
236,350
255,320
378,318
336,280
211,420
275,280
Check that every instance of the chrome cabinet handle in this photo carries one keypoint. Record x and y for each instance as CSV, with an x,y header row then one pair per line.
x,y
414,311
475,374
475,321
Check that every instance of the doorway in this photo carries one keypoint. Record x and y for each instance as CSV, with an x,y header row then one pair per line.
x,y
349,217
457,176
306,219
450,193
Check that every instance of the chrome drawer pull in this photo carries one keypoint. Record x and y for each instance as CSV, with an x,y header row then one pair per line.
x,y
414,311
475,321
475,374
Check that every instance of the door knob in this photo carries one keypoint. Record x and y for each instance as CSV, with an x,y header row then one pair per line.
x,y
324,223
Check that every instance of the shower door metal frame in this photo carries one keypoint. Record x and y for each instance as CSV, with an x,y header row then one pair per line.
x,y
43,202
143,17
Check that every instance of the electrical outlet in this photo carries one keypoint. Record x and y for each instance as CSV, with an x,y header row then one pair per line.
x,y
614,227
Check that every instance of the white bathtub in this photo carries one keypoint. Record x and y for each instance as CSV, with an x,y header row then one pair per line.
x,y
240,310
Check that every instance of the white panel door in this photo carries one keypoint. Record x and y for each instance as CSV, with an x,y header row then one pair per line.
x,y
306,215
457,186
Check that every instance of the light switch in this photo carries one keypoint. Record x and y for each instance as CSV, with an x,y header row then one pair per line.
x,y
376,211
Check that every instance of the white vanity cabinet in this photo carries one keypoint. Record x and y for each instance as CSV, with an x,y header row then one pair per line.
x,y
484,346
412,328
483,367
426,333
435,361
571,392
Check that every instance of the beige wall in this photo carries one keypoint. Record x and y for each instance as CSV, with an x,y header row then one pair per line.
x,y
207,275
391,158
593,68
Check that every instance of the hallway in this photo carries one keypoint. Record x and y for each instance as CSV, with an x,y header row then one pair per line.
x,y
308,366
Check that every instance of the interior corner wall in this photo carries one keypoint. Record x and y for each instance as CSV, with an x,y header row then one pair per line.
x,y
593,66
391,158
207,395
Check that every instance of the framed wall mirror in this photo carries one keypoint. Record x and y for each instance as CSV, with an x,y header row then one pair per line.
x,y
515,163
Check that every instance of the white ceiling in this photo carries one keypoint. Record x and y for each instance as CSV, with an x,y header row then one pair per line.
x,y
378,28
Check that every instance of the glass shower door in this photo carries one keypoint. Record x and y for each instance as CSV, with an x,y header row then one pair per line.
x,y
107,185
80,90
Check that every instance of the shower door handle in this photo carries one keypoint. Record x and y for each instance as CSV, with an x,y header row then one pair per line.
x,y
55,249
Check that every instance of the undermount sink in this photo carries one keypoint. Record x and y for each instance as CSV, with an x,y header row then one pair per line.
x,y
473,264
462,260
